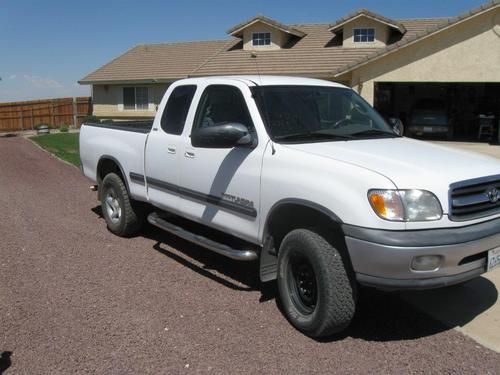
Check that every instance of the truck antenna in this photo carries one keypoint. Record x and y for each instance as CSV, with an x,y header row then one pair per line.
x,y
253,55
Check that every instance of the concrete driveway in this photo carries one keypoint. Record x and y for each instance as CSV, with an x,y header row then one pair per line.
x,y
76,299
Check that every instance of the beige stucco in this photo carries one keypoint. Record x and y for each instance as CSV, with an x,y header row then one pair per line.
x,y
381,33
278,37
466,52
108,101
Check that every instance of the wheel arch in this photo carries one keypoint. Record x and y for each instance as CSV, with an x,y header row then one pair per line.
x,y
292,213
108,164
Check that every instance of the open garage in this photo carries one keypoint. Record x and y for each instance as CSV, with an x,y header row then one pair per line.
x,y
443,83
453,111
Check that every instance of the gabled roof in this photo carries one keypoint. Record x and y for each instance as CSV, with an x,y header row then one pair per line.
x,y
408,40
339,24
237,30
164,62
317,54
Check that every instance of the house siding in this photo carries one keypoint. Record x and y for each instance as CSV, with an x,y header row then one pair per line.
x,y
108,101
468,52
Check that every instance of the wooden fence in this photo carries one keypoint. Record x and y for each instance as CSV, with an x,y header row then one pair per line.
x,y
53,112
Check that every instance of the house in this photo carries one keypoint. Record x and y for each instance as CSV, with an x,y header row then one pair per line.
x,y
392,63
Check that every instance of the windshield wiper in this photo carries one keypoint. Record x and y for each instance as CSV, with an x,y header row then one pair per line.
x,y
317,135
374,132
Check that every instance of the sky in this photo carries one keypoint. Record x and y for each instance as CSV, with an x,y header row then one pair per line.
x,y
47,46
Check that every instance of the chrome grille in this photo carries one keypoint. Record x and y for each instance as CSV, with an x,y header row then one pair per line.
x,y
475,198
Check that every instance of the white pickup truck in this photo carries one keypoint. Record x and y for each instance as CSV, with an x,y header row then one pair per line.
x,y
304,175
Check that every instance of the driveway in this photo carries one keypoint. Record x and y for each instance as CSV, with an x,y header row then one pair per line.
x,y
76,299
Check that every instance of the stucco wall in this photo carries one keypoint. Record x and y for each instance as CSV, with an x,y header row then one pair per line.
x,y
278,38
108,101
468,52
381,33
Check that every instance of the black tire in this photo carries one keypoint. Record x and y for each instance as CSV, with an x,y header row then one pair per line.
x,y
320,305
114,198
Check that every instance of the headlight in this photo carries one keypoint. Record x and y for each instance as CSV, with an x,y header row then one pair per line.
x,y
405,205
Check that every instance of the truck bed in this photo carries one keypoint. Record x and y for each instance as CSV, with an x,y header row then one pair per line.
x,y
122,142
130,126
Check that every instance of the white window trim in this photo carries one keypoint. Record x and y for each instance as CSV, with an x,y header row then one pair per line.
x,y
362,28
121,106
263,45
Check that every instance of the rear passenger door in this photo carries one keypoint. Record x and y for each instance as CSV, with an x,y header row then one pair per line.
x,y
164,146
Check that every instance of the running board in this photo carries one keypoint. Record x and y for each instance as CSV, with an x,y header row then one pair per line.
x,y
217,247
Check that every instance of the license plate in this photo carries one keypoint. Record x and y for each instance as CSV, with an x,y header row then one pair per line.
x,y
427,129
493,259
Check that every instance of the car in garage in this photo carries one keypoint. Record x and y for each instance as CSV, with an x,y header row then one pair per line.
x,y
429,116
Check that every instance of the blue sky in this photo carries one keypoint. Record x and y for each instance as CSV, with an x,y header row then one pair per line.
x,y
47,46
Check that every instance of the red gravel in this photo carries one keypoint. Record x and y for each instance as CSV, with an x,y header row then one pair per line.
x,y
76,299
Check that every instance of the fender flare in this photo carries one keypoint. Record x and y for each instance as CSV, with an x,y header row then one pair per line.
x,y
114,160
268,268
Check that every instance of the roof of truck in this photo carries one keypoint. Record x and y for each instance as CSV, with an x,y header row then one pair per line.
x,y
265,80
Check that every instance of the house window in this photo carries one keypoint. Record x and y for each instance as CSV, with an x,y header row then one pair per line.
x,y
135,98
261,39
364,35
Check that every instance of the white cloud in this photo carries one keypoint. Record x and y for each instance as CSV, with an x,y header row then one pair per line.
x,y
13,76
43,83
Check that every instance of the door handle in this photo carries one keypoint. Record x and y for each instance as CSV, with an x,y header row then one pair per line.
x,y
171,150
189,154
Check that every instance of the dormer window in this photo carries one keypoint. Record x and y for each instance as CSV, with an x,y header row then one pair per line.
x,y
364,35
261,39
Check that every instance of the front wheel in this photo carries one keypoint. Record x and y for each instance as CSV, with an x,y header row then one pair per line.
x,y
123,216
315,289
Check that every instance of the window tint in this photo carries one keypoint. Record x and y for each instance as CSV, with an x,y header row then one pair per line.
x,y
261,39
220,105
364,35
176,110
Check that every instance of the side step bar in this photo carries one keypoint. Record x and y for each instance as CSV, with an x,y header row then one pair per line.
x,y
219,248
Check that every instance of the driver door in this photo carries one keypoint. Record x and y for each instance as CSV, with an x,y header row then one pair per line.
x,y
221,186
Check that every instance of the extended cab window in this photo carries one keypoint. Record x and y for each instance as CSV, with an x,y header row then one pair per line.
x,y
177,108
222,104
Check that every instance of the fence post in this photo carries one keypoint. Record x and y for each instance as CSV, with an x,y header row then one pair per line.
x,y
21,118
52,113
32,120
75,113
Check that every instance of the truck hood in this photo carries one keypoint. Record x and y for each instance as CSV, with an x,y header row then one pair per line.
x,y
408,163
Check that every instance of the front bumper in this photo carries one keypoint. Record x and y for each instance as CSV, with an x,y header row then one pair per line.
x,y
382,258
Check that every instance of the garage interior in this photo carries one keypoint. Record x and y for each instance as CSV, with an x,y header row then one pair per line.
x,y
472,109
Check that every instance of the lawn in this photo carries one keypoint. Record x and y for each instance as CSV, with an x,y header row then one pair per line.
x,y
62,145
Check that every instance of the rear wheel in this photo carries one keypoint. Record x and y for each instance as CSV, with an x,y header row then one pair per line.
x,y
123,216
315,289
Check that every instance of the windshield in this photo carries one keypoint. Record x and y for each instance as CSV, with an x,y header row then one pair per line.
x,y
318,113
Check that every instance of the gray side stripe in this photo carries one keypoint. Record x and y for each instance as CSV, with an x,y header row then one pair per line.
x,y
212,199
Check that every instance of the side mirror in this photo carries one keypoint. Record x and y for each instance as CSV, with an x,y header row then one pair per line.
x,y
397,125
222,136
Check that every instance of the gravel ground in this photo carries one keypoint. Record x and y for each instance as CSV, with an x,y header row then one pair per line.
x,y
76,299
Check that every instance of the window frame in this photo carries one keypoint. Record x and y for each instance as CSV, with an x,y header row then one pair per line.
x,y
361,34
264,38
163,120
202,101
136,104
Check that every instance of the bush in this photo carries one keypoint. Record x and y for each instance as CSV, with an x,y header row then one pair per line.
x,y
92,118
64,128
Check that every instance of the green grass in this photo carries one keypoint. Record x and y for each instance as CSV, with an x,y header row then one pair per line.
x,y
62,145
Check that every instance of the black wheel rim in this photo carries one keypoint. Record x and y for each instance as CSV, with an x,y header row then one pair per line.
x,y
302,284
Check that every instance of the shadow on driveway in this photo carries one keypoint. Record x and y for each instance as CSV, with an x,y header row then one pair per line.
x,y
380,316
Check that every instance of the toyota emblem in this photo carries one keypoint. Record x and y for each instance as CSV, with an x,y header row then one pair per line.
x,y
493,195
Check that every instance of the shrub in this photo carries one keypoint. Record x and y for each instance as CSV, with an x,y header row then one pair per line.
x,y
91,118
64,128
